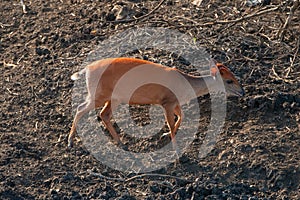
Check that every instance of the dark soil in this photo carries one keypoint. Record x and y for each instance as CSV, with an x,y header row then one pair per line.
x,y
257,155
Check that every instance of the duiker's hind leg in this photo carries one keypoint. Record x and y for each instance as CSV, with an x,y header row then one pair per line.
x,y
178,113
169,115
105,115
81,110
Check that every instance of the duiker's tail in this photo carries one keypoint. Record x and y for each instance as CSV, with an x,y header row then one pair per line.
x,y
77,75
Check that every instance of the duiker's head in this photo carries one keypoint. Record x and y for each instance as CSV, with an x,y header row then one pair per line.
x,y
232,86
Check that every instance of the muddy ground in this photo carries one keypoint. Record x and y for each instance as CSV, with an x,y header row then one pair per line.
x,y
257,153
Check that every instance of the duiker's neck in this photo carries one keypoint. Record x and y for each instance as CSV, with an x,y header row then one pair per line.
x,y
201,84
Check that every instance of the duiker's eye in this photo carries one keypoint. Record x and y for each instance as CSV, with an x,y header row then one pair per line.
x,y
229,81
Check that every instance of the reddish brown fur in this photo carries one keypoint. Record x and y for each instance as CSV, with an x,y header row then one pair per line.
x,y
115,68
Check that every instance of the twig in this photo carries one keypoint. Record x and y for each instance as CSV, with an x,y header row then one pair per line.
x,y
256,14
293,59
5,25
282,31
137,176
105,177
244,17
158,175
23,6
296,52
251,72
277,77
10,92
141,17
9,64
197,2
185,18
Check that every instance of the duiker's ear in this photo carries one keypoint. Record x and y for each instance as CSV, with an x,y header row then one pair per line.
x,y
213,72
